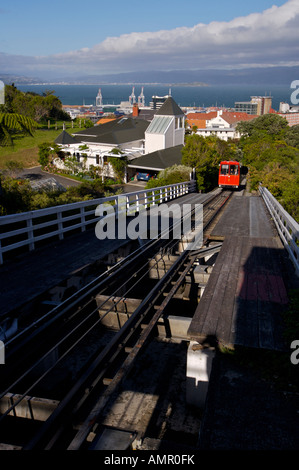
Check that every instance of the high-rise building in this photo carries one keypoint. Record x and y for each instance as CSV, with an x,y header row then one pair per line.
x,y
157,101
258,105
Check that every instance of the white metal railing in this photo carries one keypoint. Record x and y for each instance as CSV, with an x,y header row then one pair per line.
x,y
287,227
28,228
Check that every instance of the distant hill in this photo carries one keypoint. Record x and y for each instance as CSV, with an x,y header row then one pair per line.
x,y
249,76
8,79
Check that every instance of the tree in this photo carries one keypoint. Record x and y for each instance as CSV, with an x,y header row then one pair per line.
x,y
268,124
45,150
35,106
204,154
119,164
12,123
292,136
271,151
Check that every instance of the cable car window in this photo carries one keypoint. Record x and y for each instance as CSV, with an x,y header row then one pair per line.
x,y
233,170
224,170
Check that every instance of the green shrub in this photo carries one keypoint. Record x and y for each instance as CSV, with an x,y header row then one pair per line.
x,y
171,175
15,195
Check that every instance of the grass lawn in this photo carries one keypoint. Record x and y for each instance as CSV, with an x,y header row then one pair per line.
x,y
25,149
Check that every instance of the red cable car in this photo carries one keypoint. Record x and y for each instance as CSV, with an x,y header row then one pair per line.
x,y
229,174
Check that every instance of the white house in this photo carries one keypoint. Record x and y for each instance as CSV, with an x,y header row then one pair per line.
x,y
224,124
131,135
167,129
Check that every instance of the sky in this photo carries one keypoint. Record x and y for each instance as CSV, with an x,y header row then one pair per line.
x,y
69,37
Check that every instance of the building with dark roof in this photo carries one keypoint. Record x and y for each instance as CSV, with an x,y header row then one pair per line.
x,y
121,131
169,108
65,139
167,129
155,142
158,160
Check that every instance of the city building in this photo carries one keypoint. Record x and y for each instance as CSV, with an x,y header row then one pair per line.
x,y
158,101
292,118
290,113
258,105
199,119
221,124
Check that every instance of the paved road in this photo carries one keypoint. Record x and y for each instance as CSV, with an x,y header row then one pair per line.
x,y
36,175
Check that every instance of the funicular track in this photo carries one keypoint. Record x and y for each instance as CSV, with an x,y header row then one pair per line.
x,y
44,347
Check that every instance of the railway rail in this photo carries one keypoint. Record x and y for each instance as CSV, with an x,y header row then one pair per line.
x,y
137,291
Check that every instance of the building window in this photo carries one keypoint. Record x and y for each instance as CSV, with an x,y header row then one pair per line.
x,y
97,159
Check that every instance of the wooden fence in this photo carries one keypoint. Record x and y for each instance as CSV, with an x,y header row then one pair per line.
x,y
26,229
287,227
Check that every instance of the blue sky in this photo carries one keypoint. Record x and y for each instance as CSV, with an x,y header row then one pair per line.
x,y
100,36
39,27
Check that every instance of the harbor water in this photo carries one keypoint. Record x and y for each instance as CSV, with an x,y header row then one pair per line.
x,y
185,96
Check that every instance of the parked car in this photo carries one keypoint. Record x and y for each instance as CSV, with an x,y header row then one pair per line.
x,y
143,176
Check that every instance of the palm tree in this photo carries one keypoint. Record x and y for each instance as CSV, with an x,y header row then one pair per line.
x,y
12,123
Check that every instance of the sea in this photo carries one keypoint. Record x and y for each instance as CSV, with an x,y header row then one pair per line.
x,y
192,96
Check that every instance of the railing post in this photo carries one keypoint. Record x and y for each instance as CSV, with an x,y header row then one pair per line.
x,y
30,234
1,256
127,204
154,197
60,225
82,214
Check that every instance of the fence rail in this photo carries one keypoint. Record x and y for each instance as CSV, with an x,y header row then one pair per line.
x,y
28,228
287,227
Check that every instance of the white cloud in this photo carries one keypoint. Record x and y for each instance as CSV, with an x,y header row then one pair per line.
x,y
267,38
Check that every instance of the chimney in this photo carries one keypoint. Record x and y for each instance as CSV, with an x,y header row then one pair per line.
x,y
135,110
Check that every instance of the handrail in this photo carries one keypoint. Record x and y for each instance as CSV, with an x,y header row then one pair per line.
x,y
28,228
287,227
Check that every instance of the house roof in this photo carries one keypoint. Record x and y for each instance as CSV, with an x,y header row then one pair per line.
x,y
169,108
159,125
105,120
122,130
200,123
64,139
144,113
159,160
233,117
201,116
